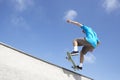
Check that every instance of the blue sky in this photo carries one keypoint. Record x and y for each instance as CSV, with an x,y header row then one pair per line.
x,y
39,28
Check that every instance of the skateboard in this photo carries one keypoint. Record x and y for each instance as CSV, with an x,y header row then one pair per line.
x,y
69,58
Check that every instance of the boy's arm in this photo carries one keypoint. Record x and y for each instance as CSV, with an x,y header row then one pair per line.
x,y
98,42
74,22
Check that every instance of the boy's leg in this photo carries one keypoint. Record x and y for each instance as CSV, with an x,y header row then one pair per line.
x,y
84,51
75,46
76,43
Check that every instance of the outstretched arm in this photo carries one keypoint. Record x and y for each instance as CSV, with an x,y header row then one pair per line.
x,y
74,22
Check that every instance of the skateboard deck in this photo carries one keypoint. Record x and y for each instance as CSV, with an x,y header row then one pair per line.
x,y
69,58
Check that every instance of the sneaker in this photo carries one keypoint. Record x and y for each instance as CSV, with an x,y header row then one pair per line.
x,y
74,53
79,67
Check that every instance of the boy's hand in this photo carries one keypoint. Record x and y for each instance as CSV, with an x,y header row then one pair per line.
x,y
69,21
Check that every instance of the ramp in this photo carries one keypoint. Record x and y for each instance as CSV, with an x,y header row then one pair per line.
x,y
17,65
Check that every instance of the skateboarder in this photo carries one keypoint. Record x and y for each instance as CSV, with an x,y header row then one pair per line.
x,y
89,43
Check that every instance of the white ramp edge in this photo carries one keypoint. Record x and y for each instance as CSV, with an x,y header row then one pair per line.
x,y
18,65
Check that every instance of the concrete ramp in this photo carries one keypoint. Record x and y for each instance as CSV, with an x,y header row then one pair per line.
x,y
17,65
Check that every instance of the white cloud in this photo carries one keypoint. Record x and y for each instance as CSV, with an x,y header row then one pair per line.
x,y
19,22
71,14
111,5
90,58
21,5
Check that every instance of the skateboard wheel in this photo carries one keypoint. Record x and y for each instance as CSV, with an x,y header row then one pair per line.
x,y
67,58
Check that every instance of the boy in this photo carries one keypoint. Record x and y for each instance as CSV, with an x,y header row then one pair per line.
x,y
89,43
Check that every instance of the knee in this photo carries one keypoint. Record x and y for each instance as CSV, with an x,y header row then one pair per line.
x,y
83,52
75,42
